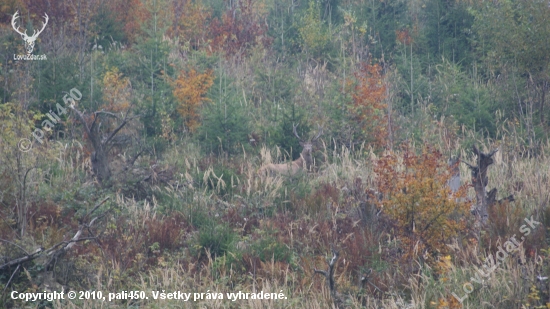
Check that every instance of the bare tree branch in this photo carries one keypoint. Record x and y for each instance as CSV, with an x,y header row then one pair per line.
x,y
11,243
81,119
124,122
329,276
106,113
60,248
26,258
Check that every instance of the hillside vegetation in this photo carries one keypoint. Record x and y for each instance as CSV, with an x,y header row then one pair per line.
x,y
151,151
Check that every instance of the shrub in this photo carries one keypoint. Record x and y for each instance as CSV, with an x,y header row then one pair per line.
x,y
368,109
215,238
190,91
417,199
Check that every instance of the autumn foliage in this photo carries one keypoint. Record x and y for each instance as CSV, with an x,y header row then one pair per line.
x,y
116,91
403,36
131,14
368,107
239,28
190,90
426,214
191,23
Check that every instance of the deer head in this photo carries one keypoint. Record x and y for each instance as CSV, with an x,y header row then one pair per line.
x,y
306,144
29,40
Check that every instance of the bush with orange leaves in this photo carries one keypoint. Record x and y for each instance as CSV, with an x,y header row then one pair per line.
x,y
425,213
190,90
368,108
116,91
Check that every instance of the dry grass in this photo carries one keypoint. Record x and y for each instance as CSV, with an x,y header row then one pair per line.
x,y
297,219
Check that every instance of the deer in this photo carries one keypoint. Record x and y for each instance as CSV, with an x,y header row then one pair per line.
x,y
29,40
305,161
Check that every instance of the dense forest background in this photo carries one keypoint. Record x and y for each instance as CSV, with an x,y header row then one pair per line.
x,y
129,158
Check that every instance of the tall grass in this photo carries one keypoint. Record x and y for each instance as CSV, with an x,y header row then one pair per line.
x,y
204,232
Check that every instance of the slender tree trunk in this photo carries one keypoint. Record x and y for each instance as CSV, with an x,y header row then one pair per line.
x,y
412,94
543,98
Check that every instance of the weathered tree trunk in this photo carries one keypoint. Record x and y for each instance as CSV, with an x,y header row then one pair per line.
x,y
479,180
484,200
329,275
100,165
100,155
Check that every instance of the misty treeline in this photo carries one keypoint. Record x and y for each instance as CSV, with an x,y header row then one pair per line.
x,y
369,71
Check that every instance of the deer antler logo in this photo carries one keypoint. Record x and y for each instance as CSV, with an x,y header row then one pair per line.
x,y
29,40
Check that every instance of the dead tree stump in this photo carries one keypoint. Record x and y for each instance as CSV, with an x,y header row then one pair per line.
x,y
329,275
484,199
